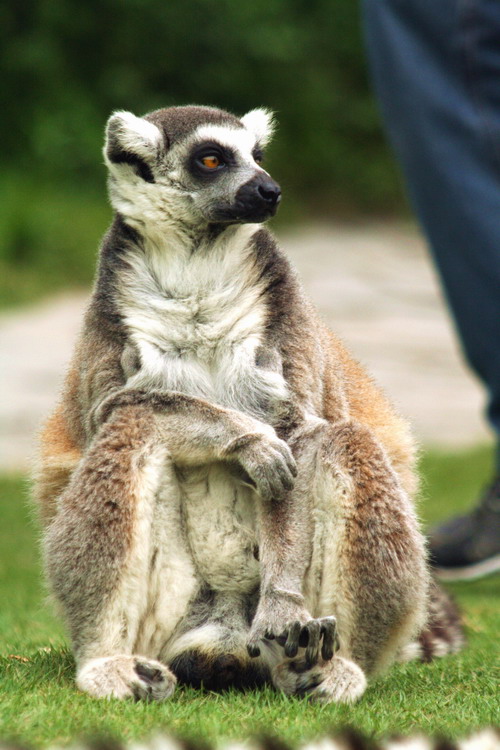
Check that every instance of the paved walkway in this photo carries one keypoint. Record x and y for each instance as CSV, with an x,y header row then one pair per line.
x,y
373,284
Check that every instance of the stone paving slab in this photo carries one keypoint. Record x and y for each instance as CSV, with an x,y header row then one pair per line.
x,y
375,286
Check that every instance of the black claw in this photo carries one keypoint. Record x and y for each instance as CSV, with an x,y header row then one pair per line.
x,y
308,683
298,667
148,674
269,636
253,650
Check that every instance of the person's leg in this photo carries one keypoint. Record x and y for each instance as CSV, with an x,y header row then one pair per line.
x,y
436,68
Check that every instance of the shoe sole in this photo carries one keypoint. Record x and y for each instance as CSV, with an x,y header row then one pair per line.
x,y
470,572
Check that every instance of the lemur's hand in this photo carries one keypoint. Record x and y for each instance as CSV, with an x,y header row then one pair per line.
x,y
269,463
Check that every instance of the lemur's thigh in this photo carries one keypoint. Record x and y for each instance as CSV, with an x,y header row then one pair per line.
x,y
371,554
105,558
368,562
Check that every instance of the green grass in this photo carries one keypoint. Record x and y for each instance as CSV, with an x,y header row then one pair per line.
x,y
39,703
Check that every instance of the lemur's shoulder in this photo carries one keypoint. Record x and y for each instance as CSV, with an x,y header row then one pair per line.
x,y
62,438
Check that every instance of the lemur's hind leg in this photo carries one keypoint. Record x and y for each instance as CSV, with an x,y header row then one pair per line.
x,y
104,561
367,566
286,544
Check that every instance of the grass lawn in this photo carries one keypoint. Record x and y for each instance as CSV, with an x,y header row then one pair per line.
x,y
39,703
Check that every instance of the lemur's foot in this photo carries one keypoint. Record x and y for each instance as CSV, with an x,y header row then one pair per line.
x,y
126,677
285,619
335,681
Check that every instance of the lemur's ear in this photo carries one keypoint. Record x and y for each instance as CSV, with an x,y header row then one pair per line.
x,y
134,141
261,123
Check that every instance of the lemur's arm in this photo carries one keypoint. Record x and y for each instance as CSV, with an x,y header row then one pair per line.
x,y
196,432
104,374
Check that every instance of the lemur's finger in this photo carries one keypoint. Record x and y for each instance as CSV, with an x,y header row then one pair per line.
x,y
262,483
267,479
292,641
289,459
280,483
286,477
329,632
312,651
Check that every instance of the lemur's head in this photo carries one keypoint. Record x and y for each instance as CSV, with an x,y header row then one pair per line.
x,y
192,165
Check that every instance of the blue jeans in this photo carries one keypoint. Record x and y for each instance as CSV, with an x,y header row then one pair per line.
x,y
436,71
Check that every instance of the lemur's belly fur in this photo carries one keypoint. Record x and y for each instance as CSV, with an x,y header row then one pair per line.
x,y
220,522
211,516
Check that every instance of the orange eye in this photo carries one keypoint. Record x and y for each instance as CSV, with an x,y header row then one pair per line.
x,y
211,162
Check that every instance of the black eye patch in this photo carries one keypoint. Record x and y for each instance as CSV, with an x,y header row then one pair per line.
x,y
118,155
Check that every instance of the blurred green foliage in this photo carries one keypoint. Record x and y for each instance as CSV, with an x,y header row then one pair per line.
x,y
66,65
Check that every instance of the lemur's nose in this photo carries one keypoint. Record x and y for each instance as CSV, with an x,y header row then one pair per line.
x,y
270,191
257,199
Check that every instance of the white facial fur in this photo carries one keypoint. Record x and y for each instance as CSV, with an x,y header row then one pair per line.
x,y
261,123
135,134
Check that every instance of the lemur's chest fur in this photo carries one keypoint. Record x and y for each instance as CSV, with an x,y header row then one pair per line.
x,y
197,321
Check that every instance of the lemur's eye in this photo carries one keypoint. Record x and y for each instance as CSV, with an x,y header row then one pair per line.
x,y
258,156
211,161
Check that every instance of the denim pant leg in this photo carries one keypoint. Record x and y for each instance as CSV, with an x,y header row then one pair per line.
x,y
436,71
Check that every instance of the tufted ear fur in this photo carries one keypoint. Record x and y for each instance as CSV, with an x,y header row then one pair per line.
x,y
261,123
134,141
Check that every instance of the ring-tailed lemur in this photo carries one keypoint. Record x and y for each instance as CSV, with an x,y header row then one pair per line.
x,y
221,484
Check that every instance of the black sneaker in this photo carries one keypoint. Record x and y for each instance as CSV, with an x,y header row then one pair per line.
x,y
468,547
